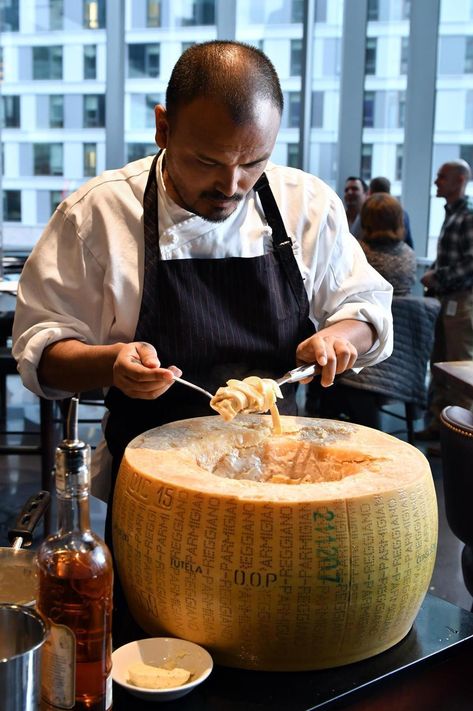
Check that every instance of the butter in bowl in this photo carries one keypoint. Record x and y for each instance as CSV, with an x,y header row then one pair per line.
x,y
160,668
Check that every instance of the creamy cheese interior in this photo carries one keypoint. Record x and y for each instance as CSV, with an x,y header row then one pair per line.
x,y
253,394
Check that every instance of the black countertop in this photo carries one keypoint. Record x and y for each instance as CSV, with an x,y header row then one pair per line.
x,y
440,631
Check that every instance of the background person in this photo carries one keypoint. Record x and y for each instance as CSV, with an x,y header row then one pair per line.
x,y
355,193
451,278
382,240
383,185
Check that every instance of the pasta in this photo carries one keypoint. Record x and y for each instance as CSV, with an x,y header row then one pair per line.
x,y
253,394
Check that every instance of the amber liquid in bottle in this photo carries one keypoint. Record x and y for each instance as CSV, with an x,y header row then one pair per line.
x,y
75,581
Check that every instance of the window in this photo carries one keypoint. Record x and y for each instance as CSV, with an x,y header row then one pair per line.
x,y
368,109
90,160
366,161
55,198
317,117
320,12
143,60
399,159
90,61
469,55
56,14
9,15
47,158
135,151
12,205
469,110
94,110
370,56
153,13
294,109
296,58
11,112
293,155
466,153
186,45
297,10
56,111
401,109
47,62
373,10
201,12
94,14
404,55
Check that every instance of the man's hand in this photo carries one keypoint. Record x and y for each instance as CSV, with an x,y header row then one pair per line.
x,y
336,348
137,372
428,279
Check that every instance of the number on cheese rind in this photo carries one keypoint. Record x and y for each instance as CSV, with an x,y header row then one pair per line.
x,y
306,550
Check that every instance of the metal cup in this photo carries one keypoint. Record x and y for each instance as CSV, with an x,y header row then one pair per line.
x,y
22,635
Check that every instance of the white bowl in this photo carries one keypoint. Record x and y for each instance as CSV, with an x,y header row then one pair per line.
x,y
159,651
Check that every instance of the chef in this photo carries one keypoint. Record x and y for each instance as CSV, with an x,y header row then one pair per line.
x,y
206,260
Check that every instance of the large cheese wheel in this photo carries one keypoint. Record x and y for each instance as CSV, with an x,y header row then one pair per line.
x,y
298,551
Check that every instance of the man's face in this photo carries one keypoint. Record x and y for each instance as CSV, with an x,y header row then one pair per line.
x,y
354,194
211,163
448,182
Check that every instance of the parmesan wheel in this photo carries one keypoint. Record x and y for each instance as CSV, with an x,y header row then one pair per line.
x,y
310,549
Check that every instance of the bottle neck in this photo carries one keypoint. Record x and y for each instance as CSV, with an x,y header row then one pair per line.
x,y
73,511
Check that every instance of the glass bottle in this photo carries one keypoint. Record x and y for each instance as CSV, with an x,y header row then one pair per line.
x,y
75,578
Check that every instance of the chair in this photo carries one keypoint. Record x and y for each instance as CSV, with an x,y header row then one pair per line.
x,y
456,443
401,378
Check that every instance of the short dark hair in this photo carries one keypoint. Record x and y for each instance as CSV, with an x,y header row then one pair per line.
x,y
357,177
229,71
380,185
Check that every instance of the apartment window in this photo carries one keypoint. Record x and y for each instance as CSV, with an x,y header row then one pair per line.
x,y
143,60
90,61
296,58
404,55
317,117
56,14
135,151
94,14
399,159
466,153
9,15
401,122
294,109
297,10
320,11
55,198
366,161
202,12
370,56
186,45
153,13
406,9
56,111
12,205
469,110
11,111
47,62
368,109
90,160
469,55
292,155
94,110
47,158
373,10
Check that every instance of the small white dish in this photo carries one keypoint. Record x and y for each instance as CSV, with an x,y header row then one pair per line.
x,y
161,651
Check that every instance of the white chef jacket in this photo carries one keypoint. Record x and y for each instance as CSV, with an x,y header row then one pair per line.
x,y
84,278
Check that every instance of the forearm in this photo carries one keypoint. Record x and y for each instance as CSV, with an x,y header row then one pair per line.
x,y
75,366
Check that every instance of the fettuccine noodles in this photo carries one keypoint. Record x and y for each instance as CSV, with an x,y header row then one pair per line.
x,y
253,394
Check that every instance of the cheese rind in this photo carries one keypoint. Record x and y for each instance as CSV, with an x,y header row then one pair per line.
x,y
317,552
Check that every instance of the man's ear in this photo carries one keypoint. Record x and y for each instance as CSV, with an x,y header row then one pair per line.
x,y
162,126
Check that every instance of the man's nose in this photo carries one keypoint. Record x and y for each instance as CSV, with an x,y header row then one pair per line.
x,y
227,182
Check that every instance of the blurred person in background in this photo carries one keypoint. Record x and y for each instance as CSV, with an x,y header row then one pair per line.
x,y
355,194
450,278
383,185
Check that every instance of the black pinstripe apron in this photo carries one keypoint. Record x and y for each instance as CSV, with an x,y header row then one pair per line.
x,y
215,319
